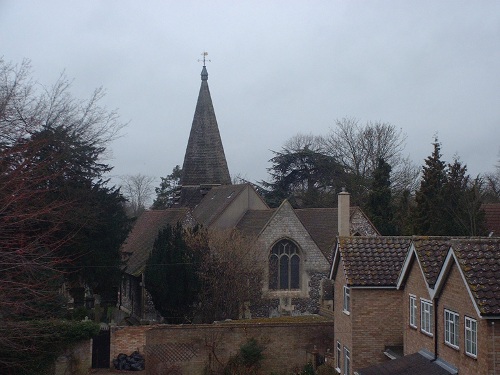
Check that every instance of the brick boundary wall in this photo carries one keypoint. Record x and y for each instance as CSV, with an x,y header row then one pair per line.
x,y
188,349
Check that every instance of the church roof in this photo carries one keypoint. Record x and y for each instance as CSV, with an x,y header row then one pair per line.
x,y
252,223
204,161
140,241
215,202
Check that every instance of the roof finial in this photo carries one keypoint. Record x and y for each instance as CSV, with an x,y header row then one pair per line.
x,y
204,73
204,54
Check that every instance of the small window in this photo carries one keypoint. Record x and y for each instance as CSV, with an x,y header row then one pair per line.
x,y
347,361
451,328
413,311
339,355
347,299
426,316
471,337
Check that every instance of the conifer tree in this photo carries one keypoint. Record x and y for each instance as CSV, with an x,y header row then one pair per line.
x,y
379,206
171,275
430,197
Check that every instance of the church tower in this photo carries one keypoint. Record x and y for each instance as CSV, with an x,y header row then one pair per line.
x,y
205,163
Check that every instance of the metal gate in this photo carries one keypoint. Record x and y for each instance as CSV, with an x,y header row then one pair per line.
x,y
101,349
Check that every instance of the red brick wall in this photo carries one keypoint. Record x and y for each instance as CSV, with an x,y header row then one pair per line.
x,y
377,321
414,339
127,340
455,297
189,348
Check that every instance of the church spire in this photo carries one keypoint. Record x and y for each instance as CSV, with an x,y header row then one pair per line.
x,y
204,162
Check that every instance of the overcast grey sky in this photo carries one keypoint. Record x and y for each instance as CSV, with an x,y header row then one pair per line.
x,y
277,68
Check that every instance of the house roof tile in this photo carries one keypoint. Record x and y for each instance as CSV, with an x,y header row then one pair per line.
x,y
373,261
479,260
431,253
140,241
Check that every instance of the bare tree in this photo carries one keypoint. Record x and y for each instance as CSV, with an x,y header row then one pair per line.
x,y
27,107
230,275
138,190
358,147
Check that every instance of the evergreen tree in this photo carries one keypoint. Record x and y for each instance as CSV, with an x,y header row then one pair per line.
x,y
307,178
429,218
379,207
165,193
448,202
463,202
171,275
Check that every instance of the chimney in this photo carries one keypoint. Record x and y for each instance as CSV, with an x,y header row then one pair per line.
x,y
344,213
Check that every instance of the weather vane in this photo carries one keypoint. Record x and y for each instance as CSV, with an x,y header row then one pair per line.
x,y
204,54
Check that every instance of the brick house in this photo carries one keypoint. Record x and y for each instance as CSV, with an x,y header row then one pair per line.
x,y
451,308
464,298
367,303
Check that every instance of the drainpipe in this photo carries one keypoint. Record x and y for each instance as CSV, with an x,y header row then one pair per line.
x,y
436,302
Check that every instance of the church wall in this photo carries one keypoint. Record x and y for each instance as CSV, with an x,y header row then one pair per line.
x,y
313,265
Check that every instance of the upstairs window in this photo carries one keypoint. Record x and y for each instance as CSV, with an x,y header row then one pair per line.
x,y
426,316
284,266
471,337
413,311
347,299
451,328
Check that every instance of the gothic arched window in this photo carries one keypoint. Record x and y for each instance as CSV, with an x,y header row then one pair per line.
x,y
284,266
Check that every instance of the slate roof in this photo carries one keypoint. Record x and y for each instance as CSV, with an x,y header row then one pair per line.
x,y
204,161
373,261
479,260
215,202
431,252
322,225
253,221
412,364
140,241
492,217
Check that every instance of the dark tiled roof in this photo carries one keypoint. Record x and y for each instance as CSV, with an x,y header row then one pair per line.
x,y
492,216
204,161
322,225
373,261
253,221
431,252
215,202
479,260
413,364
140,241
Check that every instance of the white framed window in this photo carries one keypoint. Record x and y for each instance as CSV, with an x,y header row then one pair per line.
x,y
426,316
413,311
471,337
347,299
338,357
451,328
347,361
